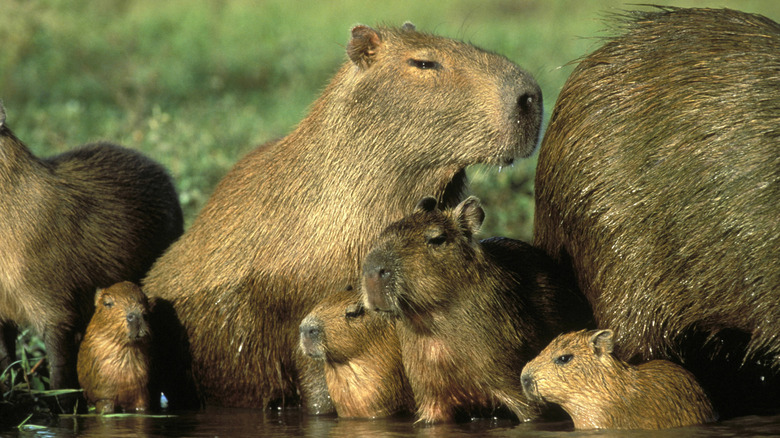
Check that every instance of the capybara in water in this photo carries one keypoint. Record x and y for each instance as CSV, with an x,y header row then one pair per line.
x,y
469,313
360,355
658,184
599,391
114,358
69,224
290,223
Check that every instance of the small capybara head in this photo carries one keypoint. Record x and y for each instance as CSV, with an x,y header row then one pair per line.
x,y
124,307
361,357
410,270
579,372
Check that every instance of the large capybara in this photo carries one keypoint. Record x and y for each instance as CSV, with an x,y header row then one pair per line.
x,y
69,224
402,118
469,313
599,391
115,356
658,184
361,357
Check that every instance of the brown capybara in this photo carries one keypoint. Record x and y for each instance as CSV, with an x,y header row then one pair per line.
x,y
69,224
360,355
658,185
114,358
469,313
599,391
402,118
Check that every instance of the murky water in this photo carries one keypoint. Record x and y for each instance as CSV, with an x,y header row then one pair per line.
x,y
222,422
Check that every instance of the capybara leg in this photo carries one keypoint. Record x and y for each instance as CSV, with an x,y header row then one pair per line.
x,y
104,406
61,351
8,334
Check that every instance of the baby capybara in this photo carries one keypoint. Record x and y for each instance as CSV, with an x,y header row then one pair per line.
x,y
69,224
290,223
657,183
599,391
114,358
468,313
360,355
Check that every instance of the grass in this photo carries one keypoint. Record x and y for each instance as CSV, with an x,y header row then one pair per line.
x,y
196,85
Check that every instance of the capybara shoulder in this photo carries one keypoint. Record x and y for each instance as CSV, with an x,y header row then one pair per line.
x,y
468,313
403,118
69,224
114,357
361,357
599,391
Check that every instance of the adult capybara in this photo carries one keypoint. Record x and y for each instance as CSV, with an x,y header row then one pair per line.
x,y
469,313
403,117
361,357
599,391
69,224
658,184
115,356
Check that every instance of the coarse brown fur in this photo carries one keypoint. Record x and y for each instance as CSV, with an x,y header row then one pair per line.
x,y
469,313
599,391
361,357
658,184
403,117
69,224
114,358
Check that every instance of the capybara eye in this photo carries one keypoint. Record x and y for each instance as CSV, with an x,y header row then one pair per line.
x,y
354,311
424,64
563,359
436,240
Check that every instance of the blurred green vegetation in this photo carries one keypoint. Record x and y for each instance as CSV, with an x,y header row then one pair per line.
x,y
195,85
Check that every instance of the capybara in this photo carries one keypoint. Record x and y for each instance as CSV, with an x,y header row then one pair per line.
x,y
290,223
360,355
69,224
114,358
658,183
468,313
599,391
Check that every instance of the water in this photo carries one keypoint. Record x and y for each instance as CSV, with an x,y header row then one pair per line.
x,y
225,422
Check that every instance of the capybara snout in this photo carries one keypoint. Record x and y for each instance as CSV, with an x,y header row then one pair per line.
x,y
312,335
377,280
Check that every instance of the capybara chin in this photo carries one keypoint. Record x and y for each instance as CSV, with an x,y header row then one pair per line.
x,y
69,224
657,183
468,313
360,355
114,358
290,223
578,371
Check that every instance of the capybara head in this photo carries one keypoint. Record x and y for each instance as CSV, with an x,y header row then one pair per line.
x,y
438,82
416,260
361,357
125,308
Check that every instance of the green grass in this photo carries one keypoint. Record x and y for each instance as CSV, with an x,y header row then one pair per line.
x,y
196,85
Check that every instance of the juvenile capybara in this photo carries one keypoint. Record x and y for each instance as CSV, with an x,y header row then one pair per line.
x,y
658,183
360,355
69,224
599,391
402,118
469,314
114,358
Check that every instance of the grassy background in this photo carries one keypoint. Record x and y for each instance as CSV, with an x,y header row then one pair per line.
x,y
195,85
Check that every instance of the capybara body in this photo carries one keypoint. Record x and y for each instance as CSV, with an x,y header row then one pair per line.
x,y
84,219
291,221
599,391
361,357
114,358
658,183
468,313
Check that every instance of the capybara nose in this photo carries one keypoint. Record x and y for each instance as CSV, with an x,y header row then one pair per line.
x,y
377,282
137,325
311,330
527,381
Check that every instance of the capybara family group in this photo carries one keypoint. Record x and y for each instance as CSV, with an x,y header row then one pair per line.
x,y
339,267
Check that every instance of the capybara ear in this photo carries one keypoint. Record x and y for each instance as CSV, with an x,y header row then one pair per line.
x,y
470,215
602,341
363,45
426,204
104,298
408,27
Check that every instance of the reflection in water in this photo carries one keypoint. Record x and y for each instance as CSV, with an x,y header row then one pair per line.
x,y
215,422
